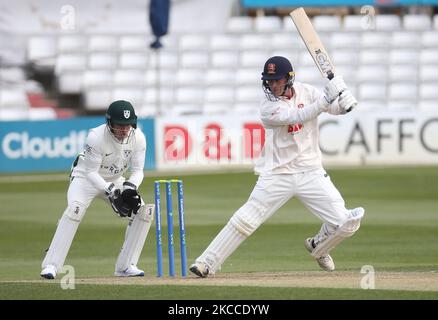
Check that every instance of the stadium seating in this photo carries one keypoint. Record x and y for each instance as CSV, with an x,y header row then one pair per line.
x,y
387,60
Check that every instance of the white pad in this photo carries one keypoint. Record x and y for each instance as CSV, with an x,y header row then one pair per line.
x,y
249,217
63,238
135,236
350,226
225,243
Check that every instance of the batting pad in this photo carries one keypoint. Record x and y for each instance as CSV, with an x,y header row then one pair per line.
x,y
63,238
222,246
344,231
135,236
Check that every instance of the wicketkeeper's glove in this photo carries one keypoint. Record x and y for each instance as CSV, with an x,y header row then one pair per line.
x,y
131,197
115,198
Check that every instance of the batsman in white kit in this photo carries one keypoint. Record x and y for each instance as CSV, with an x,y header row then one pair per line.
x,y
112,150
290,165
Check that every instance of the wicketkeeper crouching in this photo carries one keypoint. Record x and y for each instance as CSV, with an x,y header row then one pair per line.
x,y
111,150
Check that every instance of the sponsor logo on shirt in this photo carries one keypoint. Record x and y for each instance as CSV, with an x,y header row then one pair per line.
x,y
297,127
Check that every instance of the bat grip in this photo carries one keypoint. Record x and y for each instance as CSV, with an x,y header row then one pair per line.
x,y
330,75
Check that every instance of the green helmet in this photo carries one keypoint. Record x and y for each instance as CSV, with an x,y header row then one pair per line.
x,y
121,112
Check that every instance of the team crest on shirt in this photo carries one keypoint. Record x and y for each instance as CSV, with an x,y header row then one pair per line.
x,y
126,113
295,128
127,153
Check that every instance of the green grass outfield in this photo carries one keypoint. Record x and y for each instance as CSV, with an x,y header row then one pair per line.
x,y
398,238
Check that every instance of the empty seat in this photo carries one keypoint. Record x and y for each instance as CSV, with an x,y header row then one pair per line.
x,y
193,42
305,59
41,48
401,56
129,77
240,24
220,76
159,97
372,91
308,74
133,60
429,73
181,109
401,105
97,78
162,77
246,108
102,61
223,42
327,23
189,95
72,43
14,97
405,39
370,106
102,43
429,91
12,75
132,94
42,113
216,108
216,94
194,60
402,91
249,94
189,77
97,99
253,41
403,72
13,114
388,22
286,41
429,56
288,25
248,76
70,82
70,62
347,56
374,39
224,59
417,22
345,40
371,73
267,24
429,39
428,105
165,59
355,23
253,58
133,43
374,56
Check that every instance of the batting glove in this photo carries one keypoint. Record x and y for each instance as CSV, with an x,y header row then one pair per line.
x,y
334,88
347,101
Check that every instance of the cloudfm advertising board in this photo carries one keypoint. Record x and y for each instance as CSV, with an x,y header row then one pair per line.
x,y
358,138
32,146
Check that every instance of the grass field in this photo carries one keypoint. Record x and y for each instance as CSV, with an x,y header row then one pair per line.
x,y
398,238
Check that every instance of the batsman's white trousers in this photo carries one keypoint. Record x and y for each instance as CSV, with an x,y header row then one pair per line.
x,y
79,197
313,188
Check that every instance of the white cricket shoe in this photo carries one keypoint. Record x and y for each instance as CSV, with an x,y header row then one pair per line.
x,y
200,269
131,271
325,262
49,272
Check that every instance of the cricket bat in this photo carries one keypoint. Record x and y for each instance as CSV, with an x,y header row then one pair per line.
x,y
313,43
